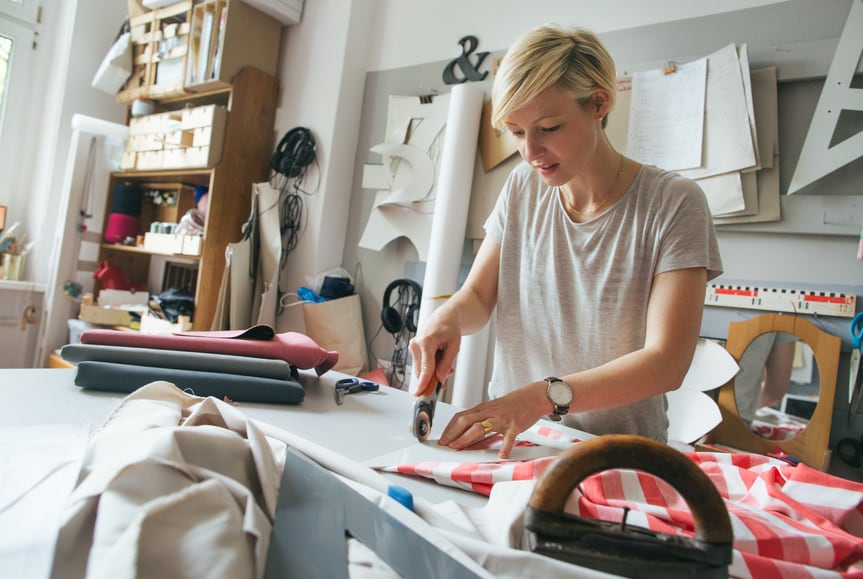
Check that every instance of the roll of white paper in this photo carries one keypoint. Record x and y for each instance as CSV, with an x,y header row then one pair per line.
x,y
452,199
468,387
96,126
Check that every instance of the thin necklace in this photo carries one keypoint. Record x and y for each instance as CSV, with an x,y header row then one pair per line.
x,y
607,196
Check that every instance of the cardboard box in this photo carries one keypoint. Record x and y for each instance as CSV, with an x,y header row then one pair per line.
x,y
170,243
129,161
192,244
204,116
163,243
150,160
107,316
112,297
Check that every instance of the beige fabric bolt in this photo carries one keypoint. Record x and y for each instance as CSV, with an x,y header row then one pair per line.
x,y
173,486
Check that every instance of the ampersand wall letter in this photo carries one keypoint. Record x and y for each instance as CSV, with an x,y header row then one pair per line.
x,y
469,70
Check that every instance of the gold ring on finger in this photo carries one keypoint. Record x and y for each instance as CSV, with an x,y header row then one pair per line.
x,y
486,426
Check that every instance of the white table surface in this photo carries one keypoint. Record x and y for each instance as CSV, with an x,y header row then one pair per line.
x,y
366,426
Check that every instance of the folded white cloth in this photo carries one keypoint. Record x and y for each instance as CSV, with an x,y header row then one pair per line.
x,y
173,486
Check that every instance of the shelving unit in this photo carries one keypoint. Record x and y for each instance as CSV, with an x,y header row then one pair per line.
x,y
250,98
191,47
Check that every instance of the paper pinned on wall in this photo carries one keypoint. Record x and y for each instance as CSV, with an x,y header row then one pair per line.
x,y
746,77
740,133
727,138
769,199
617,126
724,193
405,179
666,116
410,184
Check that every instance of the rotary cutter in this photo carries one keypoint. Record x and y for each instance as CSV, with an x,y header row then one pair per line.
x,y
423,414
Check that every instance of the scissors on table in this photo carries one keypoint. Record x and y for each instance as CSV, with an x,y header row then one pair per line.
x,y
855,372
347,386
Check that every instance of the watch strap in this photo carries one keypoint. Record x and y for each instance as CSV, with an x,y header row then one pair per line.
x,y
560,410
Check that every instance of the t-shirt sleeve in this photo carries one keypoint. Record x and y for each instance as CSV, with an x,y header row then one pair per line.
x,y
689,238
494,224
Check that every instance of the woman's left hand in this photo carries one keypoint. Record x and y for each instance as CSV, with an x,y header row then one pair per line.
x,y
508,415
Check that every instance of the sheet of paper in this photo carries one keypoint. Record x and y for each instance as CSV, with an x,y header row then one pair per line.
x,y
749,181
387,222
39,467
769,204
405,179
418,176
617,127
711,367
666,116
746,77
724,193
691,415
728,142
430,451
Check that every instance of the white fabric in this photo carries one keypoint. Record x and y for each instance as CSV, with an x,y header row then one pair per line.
x,y
173,486
178,486
573,296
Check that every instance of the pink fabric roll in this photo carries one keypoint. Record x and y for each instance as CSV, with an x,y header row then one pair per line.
x,y
120,226
259,341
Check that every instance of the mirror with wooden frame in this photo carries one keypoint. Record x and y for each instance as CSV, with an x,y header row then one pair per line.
x,y
765,430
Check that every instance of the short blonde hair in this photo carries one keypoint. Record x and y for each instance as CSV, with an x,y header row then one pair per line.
x,y
574,60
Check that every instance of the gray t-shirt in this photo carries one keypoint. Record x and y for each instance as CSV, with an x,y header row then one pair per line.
x,y
573,296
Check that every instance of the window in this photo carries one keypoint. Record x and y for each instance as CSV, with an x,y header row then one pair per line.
x,y
18,19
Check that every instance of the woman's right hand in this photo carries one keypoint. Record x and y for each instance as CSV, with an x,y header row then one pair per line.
x,y
434,352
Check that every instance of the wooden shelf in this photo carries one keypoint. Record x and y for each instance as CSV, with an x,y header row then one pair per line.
x,y
248,140
198,47
197,177
140,250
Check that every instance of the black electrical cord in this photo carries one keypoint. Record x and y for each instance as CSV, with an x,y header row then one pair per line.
x,y
294,154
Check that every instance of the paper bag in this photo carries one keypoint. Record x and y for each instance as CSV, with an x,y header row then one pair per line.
x,y
338,325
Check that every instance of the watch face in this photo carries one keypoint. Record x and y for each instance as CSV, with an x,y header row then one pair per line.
x,y
560,393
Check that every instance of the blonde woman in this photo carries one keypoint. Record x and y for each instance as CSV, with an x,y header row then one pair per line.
x,y
595,265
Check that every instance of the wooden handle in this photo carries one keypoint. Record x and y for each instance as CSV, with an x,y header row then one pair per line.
x,y
712,524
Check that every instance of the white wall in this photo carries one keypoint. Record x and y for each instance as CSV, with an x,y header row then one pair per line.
x,y
73,38
409,32
404,33
77,36
322,72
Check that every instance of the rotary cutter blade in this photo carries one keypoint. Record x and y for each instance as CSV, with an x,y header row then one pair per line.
x,y
423,414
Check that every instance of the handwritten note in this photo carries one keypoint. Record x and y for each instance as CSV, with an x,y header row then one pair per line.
x,y
728,142
666,116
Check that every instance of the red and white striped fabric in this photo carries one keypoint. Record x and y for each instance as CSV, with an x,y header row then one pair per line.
x,y
788,521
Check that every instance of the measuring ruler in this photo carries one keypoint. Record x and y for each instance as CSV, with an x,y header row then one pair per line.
x,y
798,301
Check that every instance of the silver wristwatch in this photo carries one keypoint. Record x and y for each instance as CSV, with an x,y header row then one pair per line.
x,y
560,395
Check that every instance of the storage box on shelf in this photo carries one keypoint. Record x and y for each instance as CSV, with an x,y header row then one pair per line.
x,y
179,139
160,44
198,47
246,108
